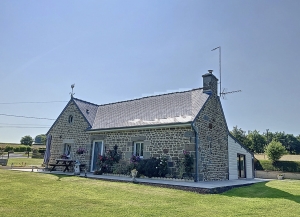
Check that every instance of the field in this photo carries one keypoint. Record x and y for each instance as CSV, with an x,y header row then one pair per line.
x,y
283,158
35,194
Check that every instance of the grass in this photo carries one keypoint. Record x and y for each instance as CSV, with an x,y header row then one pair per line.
x,y
22,161
35,194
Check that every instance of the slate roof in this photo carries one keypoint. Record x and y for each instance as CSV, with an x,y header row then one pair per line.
x,y
178,107
89,110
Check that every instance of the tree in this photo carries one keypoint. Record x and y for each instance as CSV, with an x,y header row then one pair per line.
x,y
240,135
275,150
40,139
26,140
257,141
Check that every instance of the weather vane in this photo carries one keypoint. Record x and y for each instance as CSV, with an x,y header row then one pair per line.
x,y
71,93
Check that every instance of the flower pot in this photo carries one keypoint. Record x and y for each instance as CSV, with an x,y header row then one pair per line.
x,y
279,177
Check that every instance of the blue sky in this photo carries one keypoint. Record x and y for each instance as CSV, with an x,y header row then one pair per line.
x,y
120,50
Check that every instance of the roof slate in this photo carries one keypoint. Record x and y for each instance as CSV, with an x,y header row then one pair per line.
x,y
89,110
178,107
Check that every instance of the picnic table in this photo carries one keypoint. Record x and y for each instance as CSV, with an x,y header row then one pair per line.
x,y
66,163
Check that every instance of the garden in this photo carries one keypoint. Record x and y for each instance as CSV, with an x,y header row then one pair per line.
x,y
111,163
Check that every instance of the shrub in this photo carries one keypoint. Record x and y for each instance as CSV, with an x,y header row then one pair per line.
x,y
8,148
185,165
20,148
286,166
153,167
275,150
121,168
106,161
36,154
42,150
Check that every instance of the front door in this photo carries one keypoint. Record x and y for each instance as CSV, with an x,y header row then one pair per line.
x,y
241,164
97,150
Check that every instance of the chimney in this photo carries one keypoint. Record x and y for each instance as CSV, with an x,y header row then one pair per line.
x,y
210,83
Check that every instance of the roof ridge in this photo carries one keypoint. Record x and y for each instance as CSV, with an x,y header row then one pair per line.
x,y
164,94
85,101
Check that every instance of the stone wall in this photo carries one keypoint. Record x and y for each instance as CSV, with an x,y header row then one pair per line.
x,y
159,142
73,133
213,141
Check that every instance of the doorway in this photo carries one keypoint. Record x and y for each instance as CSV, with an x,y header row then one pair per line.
x,y
97,150
241,164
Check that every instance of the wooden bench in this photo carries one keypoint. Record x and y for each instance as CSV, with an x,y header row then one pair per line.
x,y
3,162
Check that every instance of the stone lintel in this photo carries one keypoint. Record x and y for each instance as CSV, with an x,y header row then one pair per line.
x,y
138,138
69,141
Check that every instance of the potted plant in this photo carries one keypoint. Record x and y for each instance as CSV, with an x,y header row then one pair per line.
x,y
80,151
280,176
134,173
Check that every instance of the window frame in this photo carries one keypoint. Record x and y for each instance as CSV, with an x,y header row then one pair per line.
x,y
93,152
71,119
141,149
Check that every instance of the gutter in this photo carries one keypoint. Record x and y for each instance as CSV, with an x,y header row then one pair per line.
x,y
195,128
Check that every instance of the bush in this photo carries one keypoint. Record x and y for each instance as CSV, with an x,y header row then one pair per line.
x,y
121,168
285,166
8,148
21,148
106,161
185,165
42,150
153,167
275,150
37,154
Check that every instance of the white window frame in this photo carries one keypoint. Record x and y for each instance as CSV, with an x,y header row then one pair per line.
x,y
67,148
93,149
141,153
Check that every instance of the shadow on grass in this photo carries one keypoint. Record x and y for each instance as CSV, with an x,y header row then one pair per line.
x,y
261,190
59,176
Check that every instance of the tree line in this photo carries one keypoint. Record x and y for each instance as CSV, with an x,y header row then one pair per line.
x,y
257,142
39,139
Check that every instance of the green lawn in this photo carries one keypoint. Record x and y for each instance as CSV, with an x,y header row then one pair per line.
x,y
22,161
34,194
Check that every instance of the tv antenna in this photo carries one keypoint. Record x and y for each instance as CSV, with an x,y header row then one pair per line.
x,y
224,92
72,93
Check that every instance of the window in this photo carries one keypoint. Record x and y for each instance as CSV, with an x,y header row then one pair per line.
x,y
138,149
70,119
67,149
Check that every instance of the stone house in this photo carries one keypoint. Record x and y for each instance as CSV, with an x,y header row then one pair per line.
x,y
155,126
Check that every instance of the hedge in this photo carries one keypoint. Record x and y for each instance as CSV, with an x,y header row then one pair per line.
x,y
21,148
285,166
